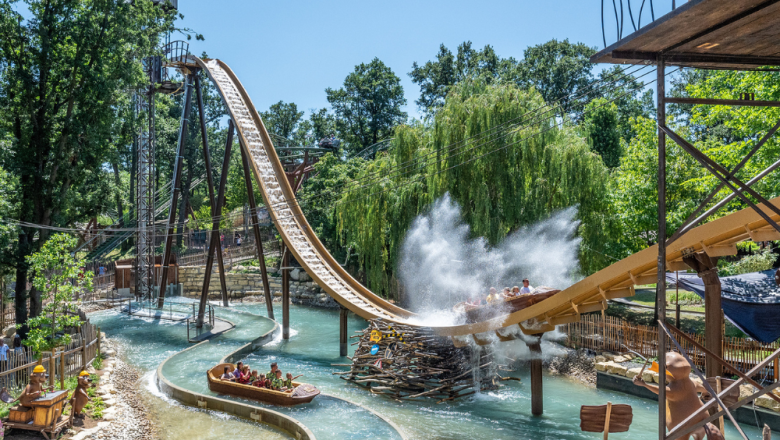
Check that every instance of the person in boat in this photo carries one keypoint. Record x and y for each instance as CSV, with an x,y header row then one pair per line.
x,y
272,374
253,377
260,381
288,383
277,383
227,375
507,293
527,288
474,301
245,375
515,291
237,371
493,297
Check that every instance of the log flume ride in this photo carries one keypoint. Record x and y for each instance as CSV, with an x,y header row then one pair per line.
x,y
303,392
717,238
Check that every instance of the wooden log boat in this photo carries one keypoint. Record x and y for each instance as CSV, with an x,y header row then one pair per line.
x,y
508,305
303,392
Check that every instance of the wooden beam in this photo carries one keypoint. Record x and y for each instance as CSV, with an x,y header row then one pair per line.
x,y
734,102
692,57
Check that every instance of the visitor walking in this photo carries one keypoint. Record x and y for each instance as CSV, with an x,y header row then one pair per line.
x,y
4,360
238,240
222,241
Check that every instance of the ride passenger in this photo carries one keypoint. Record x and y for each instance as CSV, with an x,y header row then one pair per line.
x,y
272,374
527,288
244,375
507,293
237,371
277,383
493,297
515,291
253,377
260,381
227,375
288,383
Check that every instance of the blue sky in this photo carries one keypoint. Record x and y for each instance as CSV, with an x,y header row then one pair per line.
x,y
294,50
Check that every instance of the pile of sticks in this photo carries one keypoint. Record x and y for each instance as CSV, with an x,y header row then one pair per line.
x,y
412,363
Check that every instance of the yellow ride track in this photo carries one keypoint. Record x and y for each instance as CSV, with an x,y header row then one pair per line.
x,y
717,238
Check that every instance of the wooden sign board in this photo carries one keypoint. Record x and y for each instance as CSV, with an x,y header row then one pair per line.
x,y
606,418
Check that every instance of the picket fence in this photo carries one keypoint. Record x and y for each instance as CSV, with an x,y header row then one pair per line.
x,y
613,334
64,363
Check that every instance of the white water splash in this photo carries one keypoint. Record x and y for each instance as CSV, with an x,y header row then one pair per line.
x,y
442,265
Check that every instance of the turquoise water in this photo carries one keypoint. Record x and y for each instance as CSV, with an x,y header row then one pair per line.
x,y
314,346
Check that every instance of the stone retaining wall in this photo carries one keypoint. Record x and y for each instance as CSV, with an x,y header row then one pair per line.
x,y
251,284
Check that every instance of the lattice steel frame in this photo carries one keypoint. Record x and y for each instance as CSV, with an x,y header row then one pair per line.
x,y
145,187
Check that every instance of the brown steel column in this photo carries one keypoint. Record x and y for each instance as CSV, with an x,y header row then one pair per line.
x,y
286,295
178,165
256,229
214,242
707,269
343,331
537,392
660,288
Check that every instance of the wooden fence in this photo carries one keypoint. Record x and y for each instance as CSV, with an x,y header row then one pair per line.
x,y
66,362
609,333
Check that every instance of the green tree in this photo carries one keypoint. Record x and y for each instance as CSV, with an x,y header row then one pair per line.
x,y
59,278
282,119
501,184
558,70
435,78
368,106
601,128
64,71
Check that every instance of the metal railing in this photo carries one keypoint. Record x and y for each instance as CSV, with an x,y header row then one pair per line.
x,y
629,14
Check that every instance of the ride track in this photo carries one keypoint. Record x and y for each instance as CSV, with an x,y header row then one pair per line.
x,y
717,238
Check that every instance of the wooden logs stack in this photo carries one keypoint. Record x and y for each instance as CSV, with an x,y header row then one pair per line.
x,y
413,363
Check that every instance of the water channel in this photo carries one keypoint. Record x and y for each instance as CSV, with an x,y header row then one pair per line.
x,y
311,349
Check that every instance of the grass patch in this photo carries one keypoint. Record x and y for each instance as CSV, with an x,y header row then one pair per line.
x,y
97,363
688,323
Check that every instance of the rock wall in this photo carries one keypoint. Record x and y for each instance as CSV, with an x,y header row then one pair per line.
x,y
251,284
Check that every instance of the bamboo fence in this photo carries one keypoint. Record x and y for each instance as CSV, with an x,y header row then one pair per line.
x,y
66,362
609,333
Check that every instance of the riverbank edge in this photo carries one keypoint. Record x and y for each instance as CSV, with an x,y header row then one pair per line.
x,y
293,427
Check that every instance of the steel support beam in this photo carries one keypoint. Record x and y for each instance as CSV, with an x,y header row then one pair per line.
x,y
721,174
660,289
256,229
178,165
692,220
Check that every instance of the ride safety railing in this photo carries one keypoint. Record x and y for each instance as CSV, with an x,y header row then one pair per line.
x,y
628,16
609,333
65,362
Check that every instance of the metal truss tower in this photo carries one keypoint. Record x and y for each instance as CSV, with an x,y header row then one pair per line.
x,y
145,186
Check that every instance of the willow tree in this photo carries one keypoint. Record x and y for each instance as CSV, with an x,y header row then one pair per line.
x,y
506,163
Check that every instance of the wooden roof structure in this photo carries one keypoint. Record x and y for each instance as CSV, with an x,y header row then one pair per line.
x,y
708,34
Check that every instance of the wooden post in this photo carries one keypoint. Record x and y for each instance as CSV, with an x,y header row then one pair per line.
x,y
51,368
537,399
718,389
215,247
767,433
62,370
98,342
286,295
606,420
777,370
176,188
343,331
84,350
707,270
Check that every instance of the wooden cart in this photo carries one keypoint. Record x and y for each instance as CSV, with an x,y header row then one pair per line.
x,y
44,415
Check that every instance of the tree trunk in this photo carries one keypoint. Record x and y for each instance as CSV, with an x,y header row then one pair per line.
x,y
117,196
20,301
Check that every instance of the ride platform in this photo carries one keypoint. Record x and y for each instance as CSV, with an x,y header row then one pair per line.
x,y
709,34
